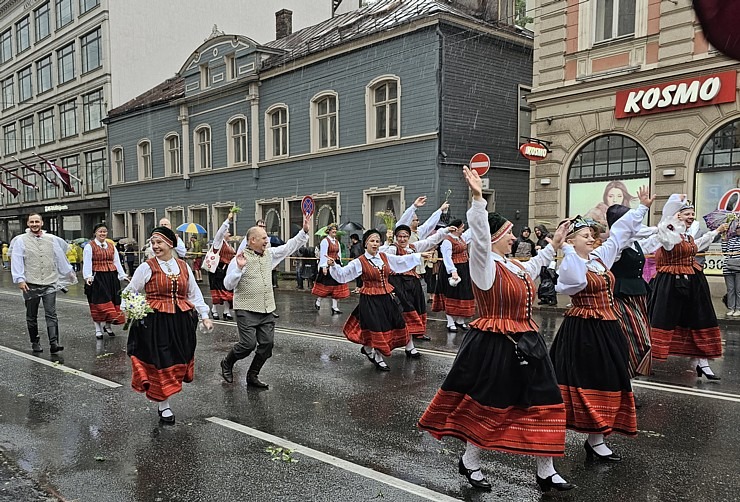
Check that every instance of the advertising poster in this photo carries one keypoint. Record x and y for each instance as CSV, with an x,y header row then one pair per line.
x,y
592,199
710,189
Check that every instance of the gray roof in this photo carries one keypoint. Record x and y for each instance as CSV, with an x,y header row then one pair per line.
x,y
373,18
168,90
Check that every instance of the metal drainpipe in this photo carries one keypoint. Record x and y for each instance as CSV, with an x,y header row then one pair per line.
x,y
440,101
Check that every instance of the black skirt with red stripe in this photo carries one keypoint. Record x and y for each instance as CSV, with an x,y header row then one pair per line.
x,y
219,293
590,357
162,352
326,286
682,318
457,301
492,401
104,297
377,322
409,290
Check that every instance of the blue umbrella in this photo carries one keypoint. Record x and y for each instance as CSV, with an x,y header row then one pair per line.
x,y
191,228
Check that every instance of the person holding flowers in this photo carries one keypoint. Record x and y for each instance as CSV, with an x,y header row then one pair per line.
x,y
102,271
220,294
161,342
325,285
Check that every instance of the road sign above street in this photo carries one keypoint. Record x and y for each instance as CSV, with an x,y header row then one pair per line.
x,y
480,163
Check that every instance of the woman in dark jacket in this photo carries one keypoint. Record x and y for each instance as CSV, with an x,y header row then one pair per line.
x,y
523,247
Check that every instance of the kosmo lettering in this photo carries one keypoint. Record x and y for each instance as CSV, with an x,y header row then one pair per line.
x,y
710,88
686,93
632,105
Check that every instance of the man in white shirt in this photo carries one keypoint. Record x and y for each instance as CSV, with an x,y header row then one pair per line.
x,y
180,249
38,261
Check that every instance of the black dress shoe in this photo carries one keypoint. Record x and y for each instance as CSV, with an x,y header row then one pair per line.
x,y
227,317
109,331
700,371
413,355
254,381
381,365
55,348
547,484
426,338
369,355
166,420
452,329
227,371
480,484
335,311
214,315
591,454
36,347
317,305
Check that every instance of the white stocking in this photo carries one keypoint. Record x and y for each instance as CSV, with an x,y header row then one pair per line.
x,y
450,320
163,405
704,365
98,327
545,469
598,439
410,347
471,460
334,304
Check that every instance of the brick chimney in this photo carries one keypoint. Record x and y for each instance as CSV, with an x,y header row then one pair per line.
x,y
283,23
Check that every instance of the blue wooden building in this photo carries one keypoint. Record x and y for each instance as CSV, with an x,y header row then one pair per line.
x,y
364,112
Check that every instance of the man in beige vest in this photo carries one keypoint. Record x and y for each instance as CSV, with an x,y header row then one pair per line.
x,y
37,263
250,276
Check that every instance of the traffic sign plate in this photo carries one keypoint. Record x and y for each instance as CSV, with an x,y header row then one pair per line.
x,y
480,163
307,205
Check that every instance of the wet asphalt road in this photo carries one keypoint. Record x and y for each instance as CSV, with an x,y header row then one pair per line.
x,y
65,436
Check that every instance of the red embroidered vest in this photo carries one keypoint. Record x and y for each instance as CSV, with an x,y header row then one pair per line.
x,y
680,259
596,300
375,281
507,306
165,293
102,259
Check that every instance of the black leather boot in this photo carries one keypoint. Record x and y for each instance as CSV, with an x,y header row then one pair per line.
x,y
254,371
227,366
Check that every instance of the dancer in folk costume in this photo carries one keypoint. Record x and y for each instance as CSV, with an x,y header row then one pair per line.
x,y
325,285
682,317
590,352
454,293
162,345
408,285
501,393
411,219
220,295
377,322
102,271
630,294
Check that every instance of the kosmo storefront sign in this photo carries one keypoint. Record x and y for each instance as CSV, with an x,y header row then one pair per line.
x,y
678,95
533,151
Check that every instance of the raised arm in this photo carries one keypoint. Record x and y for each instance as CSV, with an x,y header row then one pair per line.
x,y
349,272
624,230
431,242
218,239
572,272
401,264
482,268
428,226
279,253
408,215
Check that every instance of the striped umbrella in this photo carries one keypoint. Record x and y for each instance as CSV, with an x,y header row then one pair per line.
x,y
191,228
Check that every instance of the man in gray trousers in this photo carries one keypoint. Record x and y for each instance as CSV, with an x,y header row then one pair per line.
x,y
38,261
250,276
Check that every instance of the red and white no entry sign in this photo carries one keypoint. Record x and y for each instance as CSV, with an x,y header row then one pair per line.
x,y
480,163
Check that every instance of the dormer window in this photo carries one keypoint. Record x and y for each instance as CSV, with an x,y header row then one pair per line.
x,y
205,76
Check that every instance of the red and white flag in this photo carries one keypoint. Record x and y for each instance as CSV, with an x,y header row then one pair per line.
x,y
22,179
10,189
34,170
64,176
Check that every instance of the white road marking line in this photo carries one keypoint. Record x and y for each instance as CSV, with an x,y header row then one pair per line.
x,y
400,484
723,396
62,368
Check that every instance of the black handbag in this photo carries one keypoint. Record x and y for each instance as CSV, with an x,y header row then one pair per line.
x,y
528,349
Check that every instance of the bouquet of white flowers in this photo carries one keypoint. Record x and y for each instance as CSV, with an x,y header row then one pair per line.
x,y
135,307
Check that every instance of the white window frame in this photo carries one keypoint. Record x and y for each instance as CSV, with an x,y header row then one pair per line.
x,y
116,225
115,172
144,160
615,22
42,116
205,76
369,193
169,169
370,124
230,147
315,126
193,207
196,148
212,215
269,132
168,214
232,70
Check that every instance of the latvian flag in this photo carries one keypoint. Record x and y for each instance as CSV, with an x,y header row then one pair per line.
x,y
61,173
10,189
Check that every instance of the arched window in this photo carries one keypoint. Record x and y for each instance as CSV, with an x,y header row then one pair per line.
x,y
202,151
172,154
718,171
145,159
324,121
276,131
236,131
607,170
119,173
383,101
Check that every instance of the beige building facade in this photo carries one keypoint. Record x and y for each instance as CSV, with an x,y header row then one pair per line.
x,y
626,93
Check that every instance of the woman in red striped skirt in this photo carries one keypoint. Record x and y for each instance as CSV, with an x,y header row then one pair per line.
x,y
162,345
377,322
219,294
325,286
630,295
408,285
501,392
454,298
102,271
682,317
589,352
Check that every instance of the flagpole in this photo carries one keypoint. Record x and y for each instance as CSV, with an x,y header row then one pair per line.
x,y
34,170
23,180
50,162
